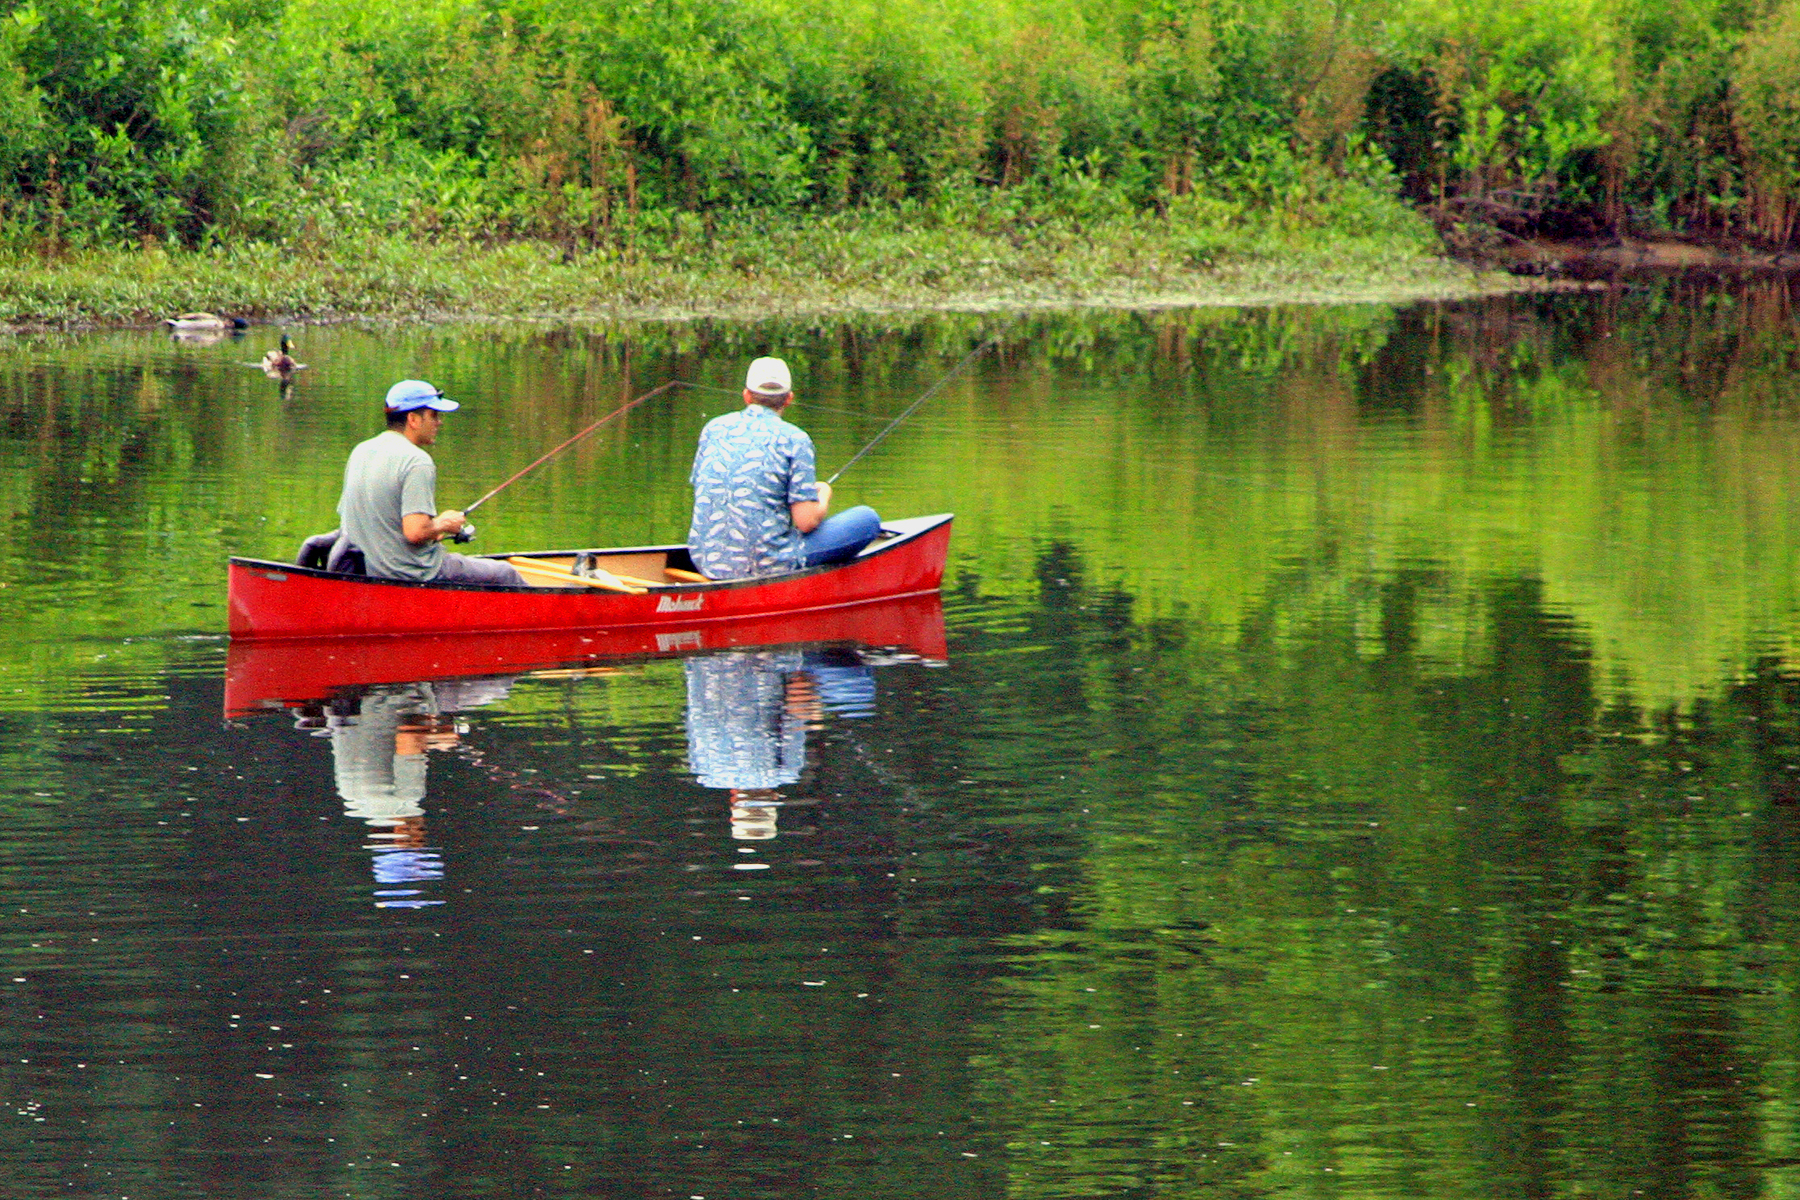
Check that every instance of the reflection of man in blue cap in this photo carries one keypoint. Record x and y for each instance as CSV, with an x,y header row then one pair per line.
x,y
389,506
379,741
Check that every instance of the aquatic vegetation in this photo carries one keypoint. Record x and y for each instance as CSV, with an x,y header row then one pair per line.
x,y
751,265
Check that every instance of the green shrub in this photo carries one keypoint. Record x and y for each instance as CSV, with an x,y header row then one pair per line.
x,y
1766,92
581,120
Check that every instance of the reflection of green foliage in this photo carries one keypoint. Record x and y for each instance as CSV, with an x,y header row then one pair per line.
x,y
1197,453
1434,933
1293,900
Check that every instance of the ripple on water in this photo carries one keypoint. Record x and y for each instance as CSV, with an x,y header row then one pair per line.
x,y
1363,759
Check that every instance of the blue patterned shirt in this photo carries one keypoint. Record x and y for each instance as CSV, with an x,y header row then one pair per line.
x,y
750,467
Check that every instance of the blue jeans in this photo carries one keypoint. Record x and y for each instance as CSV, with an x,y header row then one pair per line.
x,y
839,537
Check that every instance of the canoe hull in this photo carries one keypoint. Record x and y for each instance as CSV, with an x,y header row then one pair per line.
x,y
273,601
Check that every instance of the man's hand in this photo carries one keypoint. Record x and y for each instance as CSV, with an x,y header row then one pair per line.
x,y
803,699
420,528
808,513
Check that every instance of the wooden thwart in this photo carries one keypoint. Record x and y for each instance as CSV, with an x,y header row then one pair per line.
x,y
639,568
538,574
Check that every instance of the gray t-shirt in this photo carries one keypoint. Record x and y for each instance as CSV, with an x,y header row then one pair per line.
x,y
386,478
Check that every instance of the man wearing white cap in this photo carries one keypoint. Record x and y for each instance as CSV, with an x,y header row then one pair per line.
x,y
389,506
759,507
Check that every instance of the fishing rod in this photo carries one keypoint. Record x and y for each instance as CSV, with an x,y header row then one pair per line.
x,y
467,532
929,393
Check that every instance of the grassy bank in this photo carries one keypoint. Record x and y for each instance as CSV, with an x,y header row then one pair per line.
x,y
748,267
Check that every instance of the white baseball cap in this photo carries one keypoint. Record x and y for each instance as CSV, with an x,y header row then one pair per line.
x,y
769,377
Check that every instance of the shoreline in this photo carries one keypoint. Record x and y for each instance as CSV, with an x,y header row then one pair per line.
x,y
1480,283
806,269
1636,256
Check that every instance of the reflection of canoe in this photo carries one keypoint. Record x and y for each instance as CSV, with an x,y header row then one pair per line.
x,y
273,674
280,600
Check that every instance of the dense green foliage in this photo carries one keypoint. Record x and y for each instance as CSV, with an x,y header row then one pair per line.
x,y
601,121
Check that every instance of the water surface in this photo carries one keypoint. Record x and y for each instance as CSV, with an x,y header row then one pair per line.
x,y
1360,756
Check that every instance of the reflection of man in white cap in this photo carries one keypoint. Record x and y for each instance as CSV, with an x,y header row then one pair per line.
x,y
747,716
759,506
746,731
389,506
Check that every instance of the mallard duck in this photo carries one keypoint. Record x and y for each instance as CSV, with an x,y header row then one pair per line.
x,y
196,321
279,364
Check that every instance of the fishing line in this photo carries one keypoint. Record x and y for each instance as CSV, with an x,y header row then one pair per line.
x,y
806,405
929,393
544,458
468,532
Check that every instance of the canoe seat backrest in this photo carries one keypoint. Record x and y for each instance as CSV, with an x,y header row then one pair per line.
x,y
648,566
315,551
331,552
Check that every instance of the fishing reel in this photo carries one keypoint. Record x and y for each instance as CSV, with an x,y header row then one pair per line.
x,y
464,535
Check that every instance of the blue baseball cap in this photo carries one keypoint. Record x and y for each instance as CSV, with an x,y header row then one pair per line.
x,y
409,394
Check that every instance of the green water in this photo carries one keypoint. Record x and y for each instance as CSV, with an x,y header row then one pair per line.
x,y
1366,763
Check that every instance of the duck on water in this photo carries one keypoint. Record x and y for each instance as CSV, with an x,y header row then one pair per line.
x,y
279,363
204,322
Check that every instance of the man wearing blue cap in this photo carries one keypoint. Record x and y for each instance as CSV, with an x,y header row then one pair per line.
x,y
389,506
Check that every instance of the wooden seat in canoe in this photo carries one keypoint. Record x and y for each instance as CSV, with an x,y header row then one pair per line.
x,y
639,568
538,573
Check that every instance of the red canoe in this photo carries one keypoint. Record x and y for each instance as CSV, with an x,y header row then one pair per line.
x,y
282,674
274,600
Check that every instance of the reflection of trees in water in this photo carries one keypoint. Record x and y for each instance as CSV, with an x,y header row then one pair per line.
x,y
1607,390
1291,857
1470,932
1280,862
